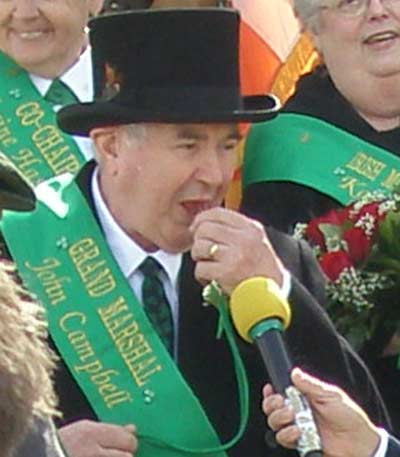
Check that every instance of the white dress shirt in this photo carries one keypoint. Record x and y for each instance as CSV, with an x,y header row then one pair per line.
x,y
383,445
79,78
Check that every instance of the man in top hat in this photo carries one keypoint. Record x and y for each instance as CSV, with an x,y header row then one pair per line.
x,y
119,255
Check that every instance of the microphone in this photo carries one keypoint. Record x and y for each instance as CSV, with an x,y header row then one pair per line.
x,y
260,313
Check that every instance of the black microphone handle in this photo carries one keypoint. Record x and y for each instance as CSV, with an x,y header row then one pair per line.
x,y
276,359
279,366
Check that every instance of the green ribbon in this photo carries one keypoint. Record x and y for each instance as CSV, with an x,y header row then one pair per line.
x,y
102,332
29,135
311,152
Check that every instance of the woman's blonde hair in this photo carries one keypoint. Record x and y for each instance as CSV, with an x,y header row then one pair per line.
x,y
26,363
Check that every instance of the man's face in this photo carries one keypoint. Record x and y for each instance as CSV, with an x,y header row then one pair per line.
x,y
156,185
45,37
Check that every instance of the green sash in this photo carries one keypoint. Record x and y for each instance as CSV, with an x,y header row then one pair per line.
x,y
29,135
99,327
308,151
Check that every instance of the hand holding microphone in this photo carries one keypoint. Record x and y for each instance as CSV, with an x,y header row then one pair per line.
x,y
260,314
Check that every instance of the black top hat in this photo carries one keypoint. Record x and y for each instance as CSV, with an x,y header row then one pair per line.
x,y
15,193
171,65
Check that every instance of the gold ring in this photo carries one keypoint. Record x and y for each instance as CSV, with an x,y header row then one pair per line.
x,y
214,248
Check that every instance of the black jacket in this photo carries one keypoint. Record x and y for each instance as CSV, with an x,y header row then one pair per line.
x,y
393,448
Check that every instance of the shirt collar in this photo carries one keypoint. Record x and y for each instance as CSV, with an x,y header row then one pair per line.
x,y
79,78
128,254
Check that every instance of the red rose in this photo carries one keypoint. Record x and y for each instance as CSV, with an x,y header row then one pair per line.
x,y
358,244
333,263
314,234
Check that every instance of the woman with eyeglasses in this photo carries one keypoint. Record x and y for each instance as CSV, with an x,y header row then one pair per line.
x,y
337,137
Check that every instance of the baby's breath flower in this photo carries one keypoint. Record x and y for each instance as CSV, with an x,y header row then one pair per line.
x,y
367,224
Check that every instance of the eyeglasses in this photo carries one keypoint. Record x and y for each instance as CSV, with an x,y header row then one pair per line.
x,y
357,7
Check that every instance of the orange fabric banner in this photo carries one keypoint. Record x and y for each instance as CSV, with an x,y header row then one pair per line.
x,y
273,54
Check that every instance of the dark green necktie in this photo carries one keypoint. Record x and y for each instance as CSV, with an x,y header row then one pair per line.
x,y
155,302
60,94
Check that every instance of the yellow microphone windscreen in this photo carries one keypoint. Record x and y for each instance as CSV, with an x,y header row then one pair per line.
x,y
257,299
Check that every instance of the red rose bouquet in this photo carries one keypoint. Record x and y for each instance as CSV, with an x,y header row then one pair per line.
x,y
358,248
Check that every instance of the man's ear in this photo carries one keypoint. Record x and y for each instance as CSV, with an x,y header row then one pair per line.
x,y
105,143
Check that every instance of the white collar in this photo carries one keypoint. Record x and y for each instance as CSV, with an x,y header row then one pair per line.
x,y
79,78
128,254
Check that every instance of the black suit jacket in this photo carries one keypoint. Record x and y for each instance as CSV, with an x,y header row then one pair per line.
x,y
206,362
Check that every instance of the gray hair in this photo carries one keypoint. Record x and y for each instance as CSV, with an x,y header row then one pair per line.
x,y
307,11
133,133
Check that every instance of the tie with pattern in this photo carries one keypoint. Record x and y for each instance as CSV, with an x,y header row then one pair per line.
x,y
155,302
60,94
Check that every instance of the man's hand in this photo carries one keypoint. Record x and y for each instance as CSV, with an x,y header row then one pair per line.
x,y
241,249
95,439
344,428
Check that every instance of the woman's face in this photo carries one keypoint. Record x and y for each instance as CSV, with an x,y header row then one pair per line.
x,y
362,46
44,37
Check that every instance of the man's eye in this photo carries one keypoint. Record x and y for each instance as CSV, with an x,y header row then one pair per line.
x,y
231,145
343,4
187,145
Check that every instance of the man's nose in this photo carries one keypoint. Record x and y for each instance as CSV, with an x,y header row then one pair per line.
x,y
211,170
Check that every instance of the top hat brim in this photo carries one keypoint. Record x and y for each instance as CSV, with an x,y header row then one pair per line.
x,y
15,193
81,118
